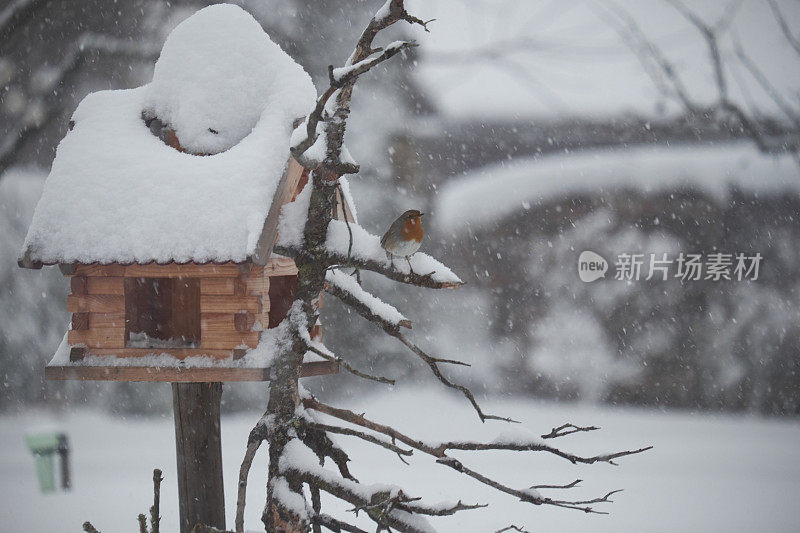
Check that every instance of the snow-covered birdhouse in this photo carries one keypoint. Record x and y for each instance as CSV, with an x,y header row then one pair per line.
x,y
163,205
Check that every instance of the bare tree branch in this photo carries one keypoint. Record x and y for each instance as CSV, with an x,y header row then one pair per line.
x,y
432,362
709,33
393,11
666,78
258,434
790,38
439,452
512,527
347,366
335,525
647,51
155,510
361,435
567,486
567,429
765,84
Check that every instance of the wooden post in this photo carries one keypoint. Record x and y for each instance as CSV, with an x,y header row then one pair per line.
x,y
199,452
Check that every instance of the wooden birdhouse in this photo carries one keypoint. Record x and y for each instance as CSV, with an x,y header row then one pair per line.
x,y
162,207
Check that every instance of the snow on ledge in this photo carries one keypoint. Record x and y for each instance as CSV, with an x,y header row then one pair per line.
x,y
270,344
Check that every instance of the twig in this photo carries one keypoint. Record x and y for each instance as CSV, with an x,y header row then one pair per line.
x,y
347,366
512,527
142,523
787,33
765,84
432,363
567,486
155,518
257,435
361,435
335,525
89,528
567,429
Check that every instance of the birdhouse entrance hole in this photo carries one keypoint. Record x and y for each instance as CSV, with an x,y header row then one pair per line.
x,y
162,313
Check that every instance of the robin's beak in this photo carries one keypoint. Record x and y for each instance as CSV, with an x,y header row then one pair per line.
x,y
421,214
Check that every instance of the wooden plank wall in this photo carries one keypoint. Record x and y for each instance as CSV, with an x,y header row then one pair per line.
x,y
233,298
98,311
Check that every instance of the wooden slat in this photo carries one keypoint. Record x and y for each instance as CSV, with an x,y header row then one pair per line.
x,y
239,287
217,322
244,321
106,320
283,193
257,285
95,303
178,375
228,304
230,339
219,332
281,266
263,316
171,270
99,270
78,285
98,338
105,285
80,321
189,270
217,286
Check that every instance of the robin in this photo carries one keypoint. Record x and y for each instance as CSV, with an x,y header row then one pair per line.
x,y
404,236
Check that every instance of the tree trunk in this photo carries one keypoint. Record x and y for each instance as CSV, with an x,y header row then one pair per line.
x,y
283,394
199,451
283,400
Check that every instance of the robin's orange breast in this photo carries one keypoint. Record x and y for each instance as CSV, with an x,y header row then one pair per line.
x,y
412,230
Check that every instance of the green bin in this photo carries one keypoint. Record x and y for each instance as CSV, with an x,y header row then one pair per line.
x,y
44,446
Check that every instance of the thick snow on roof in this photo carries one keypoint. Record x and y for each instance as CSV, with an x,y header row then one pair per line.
x,y
118,193
493,192
506,59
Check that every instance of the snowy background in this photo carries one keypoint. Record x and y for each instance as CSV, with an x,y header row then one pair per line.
x,y
527,132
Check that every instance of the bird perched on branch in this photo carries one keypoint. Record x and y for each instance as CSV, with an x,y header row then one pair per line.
x,y
404,236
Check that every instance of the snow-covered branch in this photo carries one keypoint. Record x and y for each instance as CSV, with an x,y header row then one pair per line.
x,y
347,288
350,245
342,80
388,506
369,310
